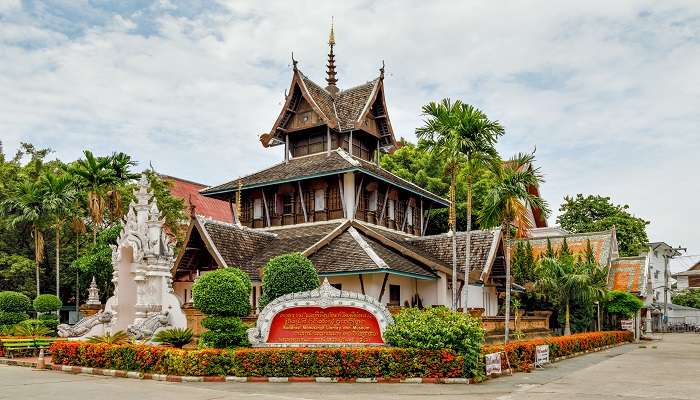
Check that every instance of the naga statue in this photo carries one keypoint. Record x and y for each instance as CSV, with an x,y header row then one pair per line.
x,y
145,329
90,326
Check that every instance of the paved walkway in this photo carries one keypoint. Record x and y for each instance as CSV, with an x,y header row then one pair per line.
x,y
667,372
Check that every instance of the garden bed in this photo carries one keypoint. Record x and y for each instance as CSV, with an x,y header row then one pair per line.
x,y
341,363
521,354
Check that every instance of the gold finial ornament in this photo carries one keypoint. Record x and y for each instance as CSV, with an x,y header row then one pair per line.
x,y
331,79
331,36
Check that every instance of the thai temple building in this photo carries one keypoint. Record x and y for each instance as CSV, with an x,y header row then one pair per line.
x,y
328,198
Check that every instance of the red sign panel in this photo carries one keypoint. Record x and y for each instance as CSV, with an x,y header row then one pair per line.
x,y
324,325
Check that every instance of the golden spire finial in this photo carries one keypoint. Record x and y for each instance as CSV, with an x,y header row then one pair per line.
x,y
331,79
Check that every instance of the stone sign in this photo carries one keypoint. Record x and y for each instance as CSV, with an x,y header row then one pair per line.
x,y
321,317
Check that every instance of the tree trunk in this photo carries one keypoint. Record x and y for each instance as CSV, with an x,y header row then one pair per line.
x,y
36,260
467,251
58,262
506,231
453,223
94,234
567,324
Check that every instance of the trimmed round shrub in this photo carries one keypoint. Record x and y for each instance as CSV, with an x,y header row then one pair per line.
x,y
224,292
224,332
437,328
288,273
14,302
45,303
9,318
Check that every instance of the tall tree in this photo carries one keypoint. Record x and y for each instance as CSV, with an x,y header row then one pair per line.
x,y
120,164
440,132
597,213
58,195
95,176
25,206
504,205
565,281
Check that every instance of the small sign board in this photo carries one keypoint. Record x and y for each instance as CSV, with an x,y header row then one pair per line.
x,y
493,363
627,324
541,355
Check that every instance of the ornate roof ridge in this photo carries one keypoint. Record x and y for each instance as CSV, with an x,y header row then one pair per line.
x,y
606,232
204,220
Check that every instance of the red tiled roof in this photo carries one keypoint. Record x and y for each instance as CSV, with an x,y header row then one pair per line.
x,y
627,274
206,206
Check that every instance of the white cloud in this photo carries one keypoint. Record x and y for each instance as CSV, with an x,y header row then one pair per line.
x,y
607,91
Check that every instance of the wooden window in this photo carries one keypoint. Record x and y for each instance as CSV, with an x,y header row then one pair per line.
x,y
288,203
395,295
309,145
319,200
338,286
334,201
257,209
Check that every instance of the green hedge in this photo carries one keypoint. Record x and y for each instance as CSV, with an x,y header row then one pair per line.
x,y
437,328
335,362
12,318
45,303
288,273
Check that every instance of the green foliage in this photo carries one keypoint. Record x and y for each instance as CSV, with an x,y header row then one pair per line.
x,y
31,327
688,298
224,332
503,203
523,264
437,328
623,303
177,337
96,260
17,272
50,321
14,302
9,318
45,303
224,292
119,337
597,213
417,164
287,273
571,284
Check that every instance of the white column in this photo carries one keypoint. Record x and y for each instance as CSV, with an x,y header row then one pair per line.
x,y
443,297
349,194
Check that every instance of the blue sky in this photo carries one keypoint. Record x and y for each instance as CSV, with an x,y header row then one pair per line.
x,y
608,92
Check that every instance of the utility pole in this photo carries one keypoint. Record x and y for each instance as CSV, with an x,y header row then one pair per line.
x,y
668,255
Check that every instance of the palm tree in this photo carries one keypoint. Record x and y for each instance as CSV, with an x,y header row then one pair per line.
x,y
442,136
505,205
462,135
58,195
120,164
95,175
25,206
565,281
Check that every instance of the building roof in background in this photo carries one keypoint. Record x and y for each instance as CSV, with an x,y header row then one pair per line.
x,y
547,231
604,244
628,274
205,206
684,263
